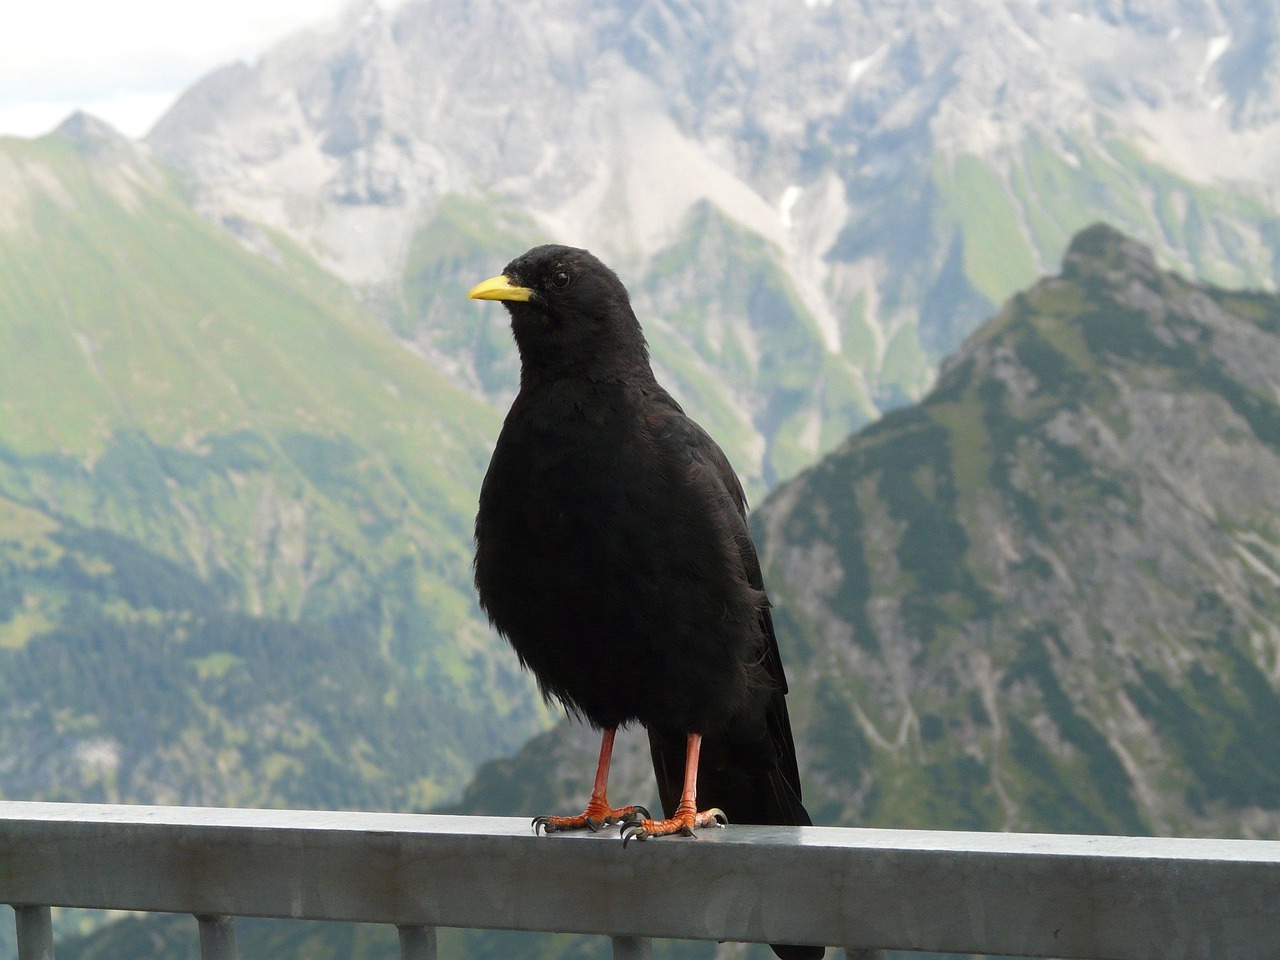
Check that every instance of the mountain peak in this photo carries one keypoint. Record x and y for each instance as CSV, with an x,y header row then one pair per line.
x,y
1072,536
86,129
1102,250
94,136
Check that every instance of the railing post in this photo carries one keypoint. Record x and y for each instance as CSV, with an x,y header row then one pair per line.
x,y
35,933
632,948
217,938
417,942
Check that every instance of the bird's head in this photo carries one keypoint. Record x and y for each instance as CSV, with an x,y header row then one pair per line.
x,y
570,314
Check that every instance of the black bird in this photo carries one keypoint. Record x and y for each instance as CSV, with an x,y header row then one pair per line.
x,y
612,551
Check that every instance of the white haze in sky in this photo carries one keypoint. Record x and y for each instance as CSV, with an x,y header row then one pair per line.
x,y
126,61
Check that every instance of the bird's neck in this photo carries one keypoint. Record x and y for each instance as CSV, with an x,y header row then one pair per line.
x,y
607,354
633,370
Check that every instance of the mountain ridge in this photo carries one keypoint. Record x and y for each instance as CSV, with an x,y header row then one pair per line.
x,y
904,170
1071,529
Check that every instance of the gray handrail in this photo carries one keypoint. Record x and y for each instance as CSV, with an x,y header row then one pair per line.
x,y
1121,898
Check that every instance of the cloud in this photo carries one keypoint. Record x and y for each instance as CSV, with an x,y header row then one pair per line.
x,y
127,60
131,113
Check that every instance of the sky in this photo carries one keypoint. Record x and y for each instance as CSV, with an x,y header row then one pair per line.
x,y
126,61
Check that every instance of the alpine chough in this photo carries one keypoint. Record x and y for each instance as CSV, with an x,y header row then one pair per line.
x,y
612,552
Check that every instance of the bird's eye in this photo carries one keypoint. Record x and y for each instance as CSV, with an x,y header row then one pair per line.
x,y
560,279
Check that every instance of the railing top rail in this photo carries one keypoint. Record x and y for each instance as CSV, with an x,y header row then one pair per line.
x,y
75,815
1022,894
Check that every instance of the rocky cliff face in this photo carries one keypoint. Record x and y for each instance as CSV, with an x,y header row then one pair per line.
x,y
893,172
1046,596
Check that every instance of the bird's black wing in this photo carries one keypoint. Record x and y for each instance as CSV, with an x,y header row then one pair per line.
x,y
749,770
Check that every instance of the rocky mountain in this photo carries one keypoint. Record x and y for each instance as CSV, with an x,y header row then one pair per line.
x,y
815,202
234,516
1046,596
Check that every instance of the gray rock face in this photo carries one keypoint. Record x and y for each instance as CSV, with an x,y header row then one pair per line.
x,y
904,168
531,101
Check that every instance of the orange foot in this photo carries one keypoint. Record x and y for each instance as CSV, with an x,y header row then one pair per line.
x,y
684,822
597,815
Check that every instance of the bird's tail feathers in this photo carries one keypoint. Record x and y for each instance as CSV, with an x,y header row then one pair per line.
x,y
747,782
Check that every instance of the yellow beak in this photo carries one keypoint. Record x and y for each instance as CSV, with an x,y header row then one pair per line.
x,y
499,288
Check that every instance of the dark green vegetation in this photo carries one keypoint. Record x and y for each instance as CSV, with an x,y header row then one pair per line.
x,y
128,676
171,938
234,516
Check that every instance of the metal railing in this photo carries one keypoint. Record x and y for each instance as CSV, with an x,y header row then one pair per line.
x,y
1121,898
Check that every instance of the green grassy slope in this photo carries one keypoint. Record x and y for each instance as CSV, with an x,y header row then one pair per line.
x,y
726,323
200,446
1015,218
958,235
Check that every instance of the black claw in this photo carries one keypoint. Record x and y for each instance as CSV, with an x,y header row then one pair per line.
x,y
632,831
541,824
594,824
721,818
635,816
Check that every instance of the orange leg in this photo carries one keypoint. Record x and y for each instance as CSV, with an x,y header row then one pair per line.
x,y
598,812
687,816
